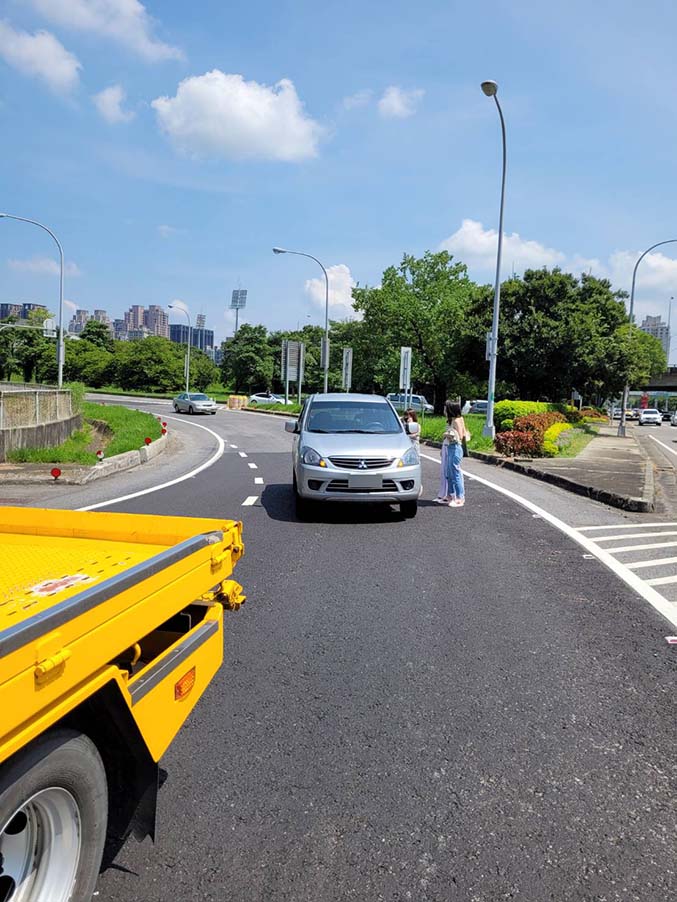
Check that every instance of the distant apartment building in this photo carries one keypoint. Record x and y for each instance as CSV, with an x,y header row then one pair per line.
x,y
78,321
156,320
10,310
27,309
134,318
200,338
100,316
119,330
654,325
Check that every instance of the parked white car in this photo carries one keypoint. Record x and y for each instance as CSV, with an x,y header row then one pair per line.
x,y
194,402
650,417
266,398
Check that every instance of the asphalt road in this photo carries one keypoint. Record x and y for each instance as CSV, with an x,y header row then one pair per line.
x,y
462,706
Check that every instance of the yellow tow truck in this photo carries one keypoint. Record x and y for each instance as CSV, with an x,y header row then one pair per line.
x,y
111,628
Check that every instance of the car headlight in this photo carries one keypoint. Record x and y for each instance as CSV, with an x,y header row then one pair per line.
x,y
410,458
311,457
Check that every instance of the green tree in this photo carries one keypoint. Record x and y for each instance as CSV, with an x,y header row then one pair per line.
x,y
248,359
89,363
422,303
97,334
149,364
203,371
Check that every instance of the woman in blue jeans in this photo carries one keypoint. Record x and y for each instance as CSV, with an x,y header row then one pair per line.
x,y
453,439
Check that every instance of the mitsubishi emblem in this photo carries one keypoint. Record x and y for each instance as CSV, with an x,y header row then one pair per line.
x,y
362,465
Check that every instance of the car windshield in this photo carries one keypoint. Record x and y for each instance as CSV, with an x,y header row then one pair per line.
x,y
650,410
199,398
353,416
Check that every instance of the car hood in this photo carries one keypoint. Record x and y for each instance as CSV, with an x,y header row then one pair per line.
x,y
356,444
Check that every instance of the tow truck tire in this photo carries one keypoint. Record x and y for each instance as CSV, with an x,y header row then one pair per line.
x,y
53,818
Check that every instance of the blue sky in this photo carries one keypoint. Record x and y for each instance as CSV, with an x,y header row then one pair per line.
x,y
171,145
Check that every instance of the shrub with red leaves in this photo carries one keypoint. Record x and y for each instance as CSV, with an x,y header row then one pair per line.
x,y
538,422
513,443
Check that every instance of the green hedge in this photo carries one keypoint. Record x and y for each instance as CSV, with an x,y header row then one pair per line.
x,y
511,410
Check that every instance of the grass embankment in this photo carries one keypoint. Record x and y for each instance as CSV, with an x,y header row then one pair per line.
x,y
129,429
571,443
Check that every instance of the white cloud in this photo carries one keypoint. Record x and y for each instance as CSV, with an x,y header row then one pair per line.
x,y
109,104
181,305
219,115
341,284
124,21
357,100
44,266
166,231
399,104
72,306
40,55
476,246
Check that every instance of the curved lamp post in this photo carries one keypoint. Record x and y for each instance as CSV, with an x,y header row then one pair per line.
x,y
490,89
60,342
281,250
190,335
621,425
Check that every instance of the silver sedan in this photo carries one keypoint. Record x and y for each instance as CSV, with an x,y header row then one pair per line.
x,y
194,402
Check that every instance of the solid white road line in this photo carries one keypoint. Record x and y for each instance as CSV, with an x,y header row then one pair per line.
x,y
233,446
641,547
656,562
655,599
635,535
252,466
242,453
662,580
625,526
250,501
258,480
663,445
165,485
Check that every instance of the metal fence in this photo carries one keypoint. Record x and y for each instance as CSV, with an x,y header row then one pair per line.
x,y
23,405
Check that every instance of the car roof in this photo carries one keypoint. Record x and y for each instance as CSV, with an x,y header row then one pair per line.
x,y
348,396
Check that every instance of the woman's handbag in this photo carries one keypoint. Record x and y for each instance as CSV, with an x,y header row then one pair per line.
x,y
464,442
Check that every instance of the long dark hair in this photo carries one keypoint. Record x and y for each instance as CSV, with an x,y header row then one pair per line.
x,y
452,411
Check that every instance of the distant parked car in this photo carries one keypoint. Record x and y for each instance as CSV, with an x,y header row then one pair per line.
x,y
665,415
194,402
266,398
478,406
650,417
419,403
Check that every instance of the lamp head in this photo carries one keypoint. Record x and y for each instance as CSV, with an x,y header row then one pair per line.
x,y
490,88
279,250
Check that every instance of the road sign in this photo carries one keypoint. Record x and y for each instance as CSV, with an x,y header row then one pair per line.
x,y
347,372
49,328
324,355
405,369
291,354
489,346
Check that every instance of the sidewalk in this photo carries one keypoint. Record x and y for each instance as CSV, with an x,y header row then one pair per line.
x,y
613,470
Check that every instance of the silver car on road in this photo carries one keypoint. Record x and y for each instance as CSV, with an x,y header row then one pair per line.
x,y
350,447
194,402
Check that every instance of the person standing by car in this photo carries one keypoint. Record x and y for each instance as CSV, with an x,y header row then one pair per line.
x,y
454,436
414,434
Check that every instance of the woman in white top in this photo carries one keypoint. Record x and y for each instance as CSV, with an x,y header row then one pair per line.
x,y
454,435
411,417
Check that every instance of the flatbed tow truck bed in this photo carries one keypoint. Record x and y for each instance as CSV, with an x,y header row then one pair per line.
x,y
111,627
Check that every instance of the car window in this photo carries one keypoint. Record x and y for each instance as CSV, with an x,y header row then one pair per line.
x,y
352,416
650,410
198,397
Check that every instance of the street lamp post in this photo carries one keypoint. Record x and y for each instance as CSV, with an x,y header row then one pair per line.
x,y
626,389
490,88
60,343
190,337
281,250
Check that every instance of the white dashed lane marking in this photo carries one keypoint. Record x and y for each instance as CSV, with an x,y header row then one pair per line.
x,y
258,480
250,501
242,453
254,467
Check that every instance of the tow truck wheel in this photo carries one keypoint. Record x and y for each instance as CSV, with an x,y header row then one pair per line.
x,y
53,816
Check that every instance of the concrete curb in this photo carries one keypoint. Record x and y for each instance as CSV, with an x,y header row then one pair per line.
x,y
643,504
73,474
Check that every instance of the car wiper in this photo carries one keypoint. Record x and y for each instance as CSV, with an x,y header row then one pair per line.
x,y
319,430
361,432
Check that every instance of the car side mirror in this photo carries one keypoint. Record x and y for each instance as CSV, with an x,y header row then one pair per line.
x,y
291,426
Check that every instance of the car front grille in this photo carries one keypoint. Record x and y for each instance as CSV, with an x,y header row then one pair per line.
x,y
342,485
362,463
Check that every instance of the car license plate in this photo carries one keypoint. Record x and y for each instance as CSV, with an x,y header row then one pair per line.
x,y
365,481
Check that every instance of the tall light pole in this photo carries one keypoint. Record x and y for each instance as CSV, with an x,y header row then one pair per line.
x,y
626,390
190,336
490,88
60,342
281,250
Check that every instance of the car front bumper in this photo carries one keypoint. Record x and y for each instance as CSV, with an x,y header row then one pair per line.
x,y
390,486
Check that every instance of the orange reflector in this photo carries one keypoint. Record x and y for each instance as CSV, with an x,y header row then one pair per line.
x,y
184,685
